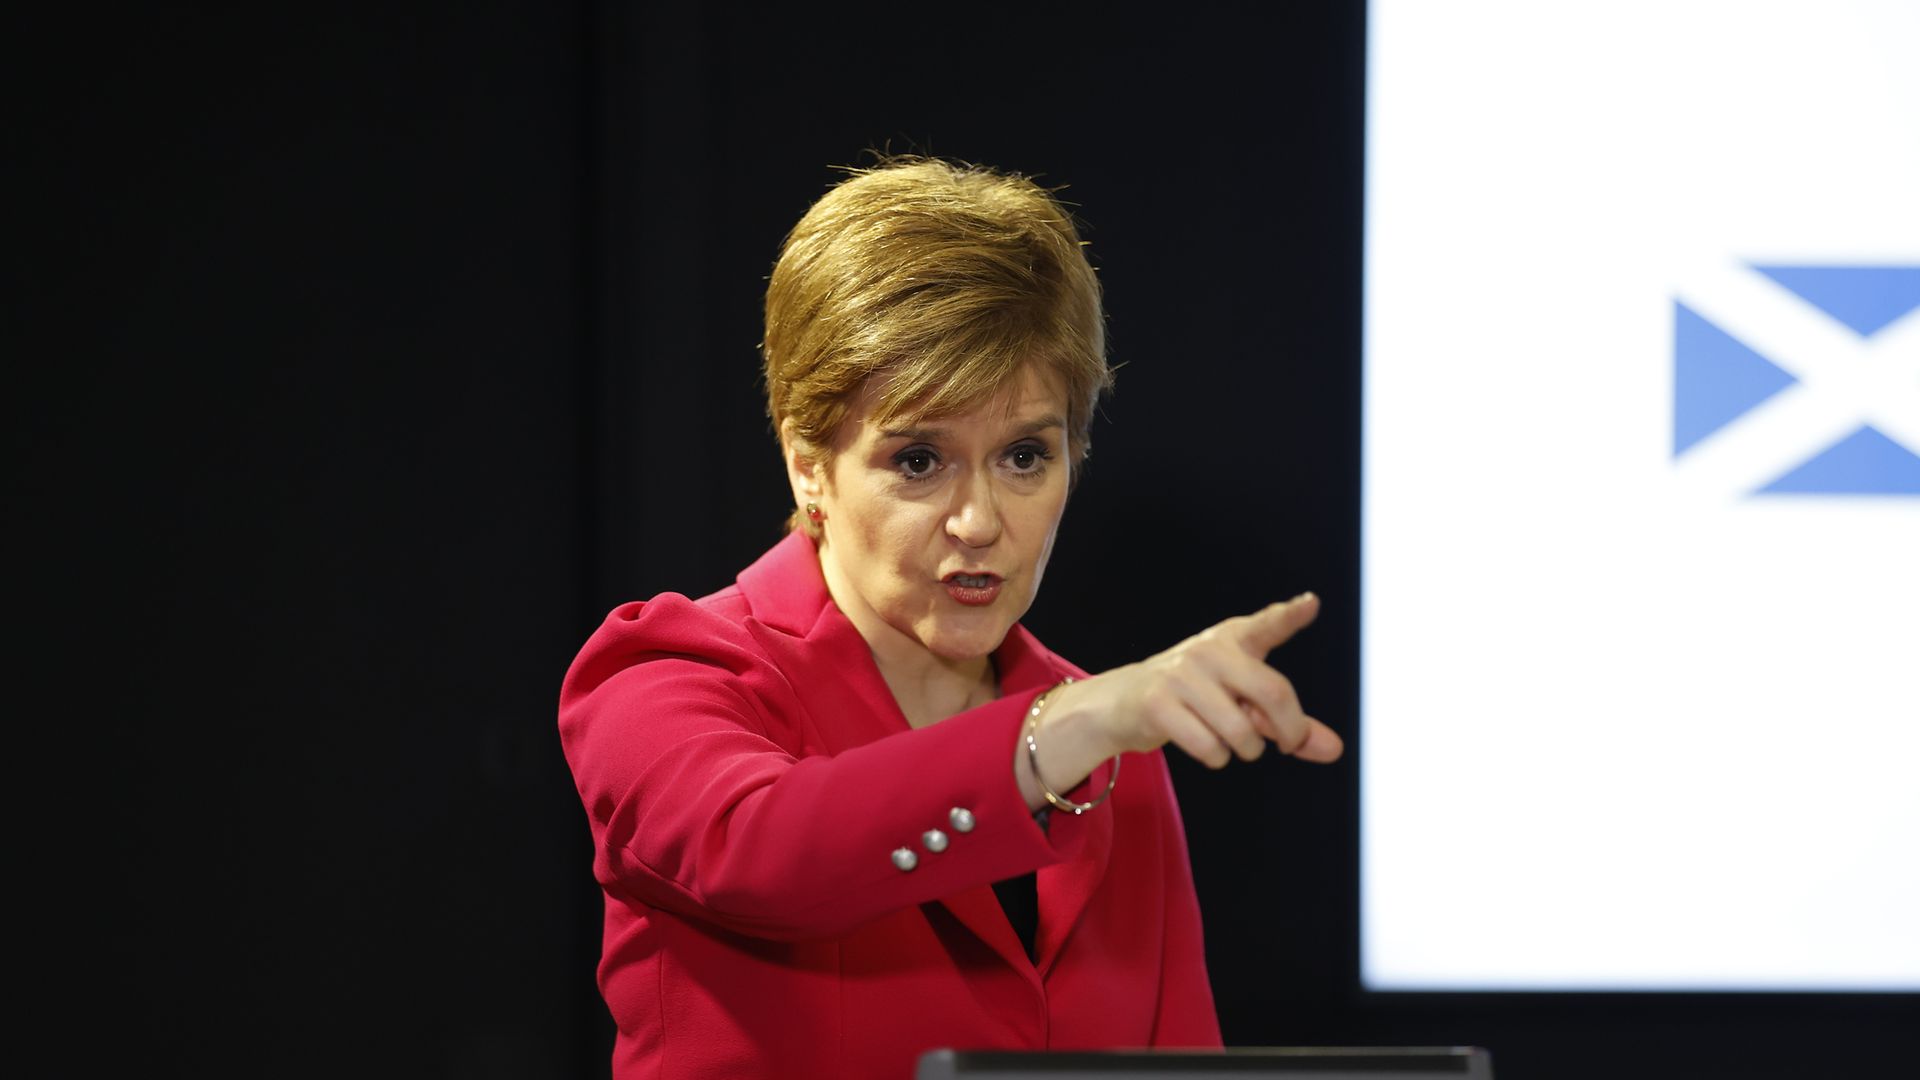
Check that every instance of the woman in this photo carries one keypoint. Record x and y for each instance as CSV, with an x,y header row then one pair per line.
x,y
848,809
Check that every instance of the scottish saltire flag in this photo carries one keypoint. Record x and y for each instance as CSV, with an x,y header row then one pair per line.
x,y
1853,366
1640,538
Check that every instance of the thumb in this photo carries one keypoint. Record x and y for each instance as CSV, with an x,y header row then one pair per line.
x,y
1270,627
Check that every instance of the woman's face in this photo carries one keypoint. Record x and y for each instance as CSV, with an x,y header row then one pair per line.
x,y
936,532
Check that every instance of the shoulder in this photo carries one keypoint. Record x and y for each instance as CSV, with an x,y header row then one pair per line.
x,y
745,644
712,629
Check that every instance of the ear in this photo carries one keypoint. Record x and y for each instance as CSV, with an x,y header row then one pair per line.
x,y
804,470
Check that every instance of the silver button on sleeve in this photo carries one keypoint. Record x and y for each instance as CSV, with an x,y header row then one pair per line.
x,y
934,840
904,859
961,819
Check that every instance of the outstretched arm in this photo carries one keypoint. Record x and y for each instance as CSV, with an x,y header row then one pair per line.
x,y
697,810
1212,695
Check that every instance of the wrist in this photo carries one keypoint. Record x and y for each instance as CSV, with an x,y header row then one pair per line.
x,y
1061,743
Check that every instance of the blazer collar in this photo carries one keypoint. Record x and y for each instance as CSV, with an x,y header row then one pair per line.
x,y
786,591
784,587
832,670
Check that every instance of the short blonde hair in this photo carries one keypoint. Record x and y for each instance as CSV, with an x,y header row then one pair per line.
x,y
943,280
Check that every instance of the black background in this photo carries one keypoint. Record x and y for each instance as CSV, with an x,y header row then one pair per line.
x,y
365,357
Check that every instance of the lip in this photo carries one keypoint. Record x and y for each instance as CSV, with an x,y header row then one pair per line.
x,y
973,595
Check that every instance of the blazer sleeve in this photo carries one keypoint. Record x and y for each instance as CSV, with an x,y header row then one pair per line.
x,y
696,808
1185,1015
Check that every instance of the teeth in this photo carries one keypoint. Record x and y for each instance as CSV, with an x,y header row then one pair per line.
x,y
973,581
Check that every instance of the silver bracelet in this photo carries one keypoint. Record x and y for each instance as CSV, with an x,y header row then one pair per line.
x,y
1033,758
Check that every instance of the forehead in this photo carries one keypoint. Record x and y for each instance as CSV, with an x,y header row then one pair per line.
x,y
1033,394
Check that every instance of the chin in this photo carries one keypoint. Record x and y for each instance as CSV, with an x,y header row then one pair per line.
x,y
970,644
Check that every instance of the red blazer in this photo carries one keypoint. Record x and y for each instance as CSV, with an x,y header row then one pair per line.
x,y
748,776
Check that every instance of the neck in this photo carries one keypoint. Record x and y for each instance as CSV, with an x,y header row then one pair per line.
x,y
927,687
932,692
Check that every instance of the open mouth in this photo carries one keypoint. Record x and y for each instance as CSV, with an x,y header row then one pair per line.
x,y
973,590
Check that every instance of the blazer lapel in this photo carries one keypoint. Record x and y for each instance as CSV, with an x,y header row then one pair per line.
x,y
832,673
979,910
1066,887
826,662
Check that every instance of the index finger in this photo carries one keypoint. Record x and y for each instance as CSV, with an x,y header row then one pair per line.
x,y
1267,629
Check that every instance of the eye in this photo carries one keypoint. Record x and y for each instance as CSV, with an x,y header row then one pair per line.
x,y
916,463
1029,458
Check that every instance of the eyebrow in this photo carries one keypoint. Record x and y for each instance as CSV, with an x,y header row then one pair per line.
x,y
934,432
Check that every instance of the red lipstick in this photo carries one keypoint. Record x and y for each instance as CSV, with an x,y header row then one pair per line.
x,y
974,590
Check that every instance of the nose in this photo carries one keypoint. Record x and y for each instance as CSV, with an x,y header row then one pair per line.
x,y
974,517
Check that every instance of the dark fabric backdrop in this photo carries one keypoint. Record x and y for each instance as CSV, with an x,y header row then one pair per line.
x,y
366,356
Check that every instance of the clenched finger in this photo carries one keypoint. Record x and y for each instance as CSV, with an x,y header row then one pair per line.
x,y
1271,694
1220,711
1322,745
1185,730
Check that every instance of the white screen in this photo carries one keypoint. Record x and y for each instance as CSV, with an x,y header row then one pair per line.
x,y
1641,568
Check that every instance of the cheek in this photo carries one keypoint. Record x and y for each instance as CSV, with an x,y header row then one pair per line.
x,y
1043,523
1046,552
891,531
